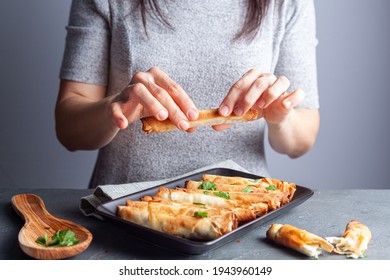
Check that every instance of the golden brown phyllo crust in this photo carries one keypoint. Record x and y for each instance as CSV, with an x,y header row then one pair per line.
x,y
208,209
206,118
298,239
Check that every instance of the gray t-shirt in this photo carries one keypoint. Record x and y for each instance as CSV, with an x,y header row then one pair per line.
x,y
106,45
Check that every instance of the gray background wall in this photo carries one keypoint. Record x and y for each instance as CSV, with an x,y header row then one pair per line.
x,y
353,66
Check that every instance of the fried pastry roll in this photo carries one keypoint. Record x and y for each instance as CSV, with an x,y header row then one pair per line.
x,y
245,212
172,208
273,199
197,185
198,227
354,241
206,118
267,184
280,186
298,240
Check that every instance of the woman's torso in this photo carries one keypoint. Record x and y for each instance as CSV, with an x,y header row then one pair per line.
x,y
201,56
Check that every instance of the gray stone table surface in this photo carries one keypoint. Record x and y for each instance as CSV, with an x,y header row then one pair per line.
x,y
326,213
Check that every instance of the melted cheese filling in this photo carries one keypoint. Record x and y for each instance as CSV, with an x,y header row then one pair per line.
x,y
311,250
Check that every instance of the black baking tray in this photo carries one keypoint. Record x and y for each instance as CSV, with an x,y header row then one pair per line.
x,y
192,247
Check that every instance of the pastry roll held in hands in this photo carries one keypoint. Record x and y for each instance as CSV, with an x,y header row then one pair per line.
x,y
298,239
206,118
354,241
199,226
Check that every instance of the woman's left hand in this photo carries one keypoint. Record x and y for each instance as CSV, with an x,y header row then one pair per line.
x,y
264,92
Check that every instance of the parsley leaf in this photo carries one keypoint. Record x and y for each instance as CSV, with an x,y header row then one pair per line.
x,y
208,186
206,192
61,238
200,214
248,189
224,195
41,240
271,188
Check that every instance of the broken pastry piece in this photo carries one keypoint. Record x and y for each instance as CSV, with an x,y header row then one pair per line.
x,y
298,240
354,241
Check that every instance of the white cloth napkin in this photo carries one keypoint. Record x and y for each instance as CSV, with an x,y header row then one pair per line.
x,y
106,193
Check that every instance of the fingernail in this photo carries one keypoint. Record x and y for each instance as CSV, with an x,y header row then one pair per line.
x,y
261,103
287,104
192,114
183,125
224,111
162,115
238,111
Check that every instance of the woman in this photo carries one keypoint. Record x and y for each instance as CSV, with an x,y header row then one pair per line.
x,y
169,59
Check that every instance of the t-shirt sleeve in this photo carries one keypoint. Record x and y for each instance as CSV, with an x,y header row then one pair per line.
x,y
297,57
86,54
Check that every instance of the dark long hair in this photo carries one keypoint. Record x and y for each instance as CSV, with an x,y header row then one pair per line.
x,y
255,11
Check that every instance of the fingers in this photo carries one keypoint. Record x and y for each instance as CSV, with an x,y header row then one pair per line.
x,y
279,110
239,89
132,103
178,95
293,99
253,89
118,118
153,93
280,85
172,97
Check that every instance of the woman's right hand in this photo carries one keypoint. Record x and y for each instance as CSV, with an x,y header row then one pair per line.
x,y
153,93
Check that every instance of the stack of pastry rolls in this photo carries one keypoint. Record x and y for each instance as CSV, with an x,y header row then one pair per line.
x,y
210,208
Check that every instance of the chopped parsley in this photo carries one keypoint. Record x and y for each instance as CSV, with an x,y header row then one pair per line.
x,y
61,238
224,195
271,188
208,186
248,189
42,240
206,192
200,214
